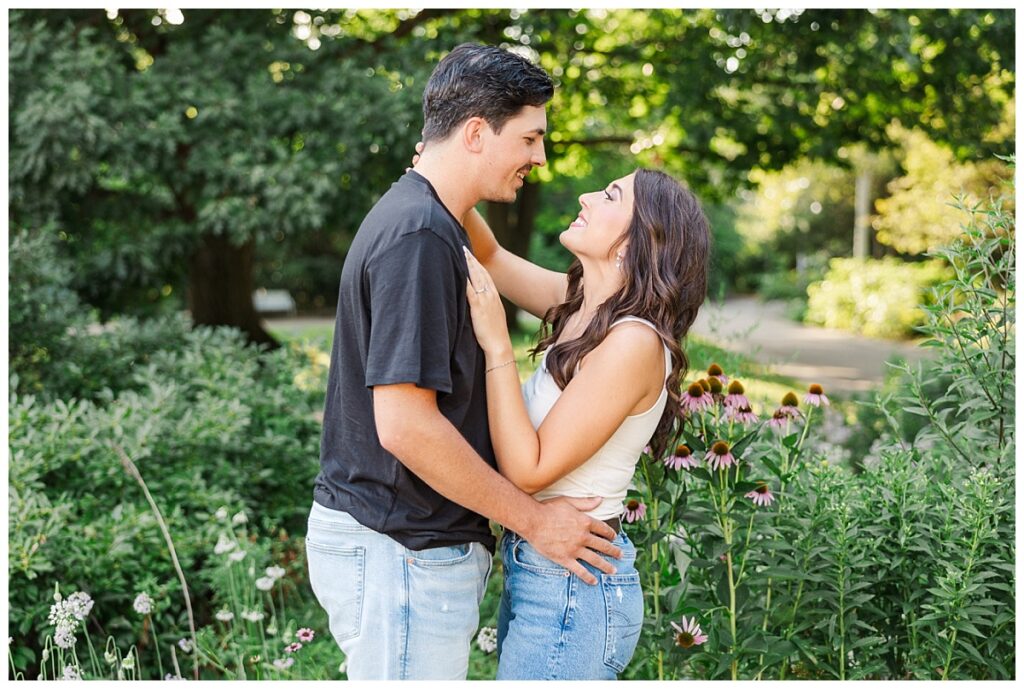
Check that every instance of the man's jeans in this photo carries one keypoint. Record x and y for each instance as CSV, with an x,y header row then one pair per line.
x,y
396,613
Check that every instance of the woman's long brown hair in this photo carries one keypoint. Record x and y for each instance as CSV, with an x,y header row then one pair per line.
x,y
666,275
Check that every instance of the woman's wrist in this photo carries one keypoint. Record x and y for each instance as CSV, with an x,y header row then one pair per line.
x,y
498,355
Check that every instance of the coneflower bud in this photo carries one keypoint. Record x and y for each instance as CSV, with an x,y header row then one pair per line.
x,y
716,386
704,384
790,400
735,388
715,370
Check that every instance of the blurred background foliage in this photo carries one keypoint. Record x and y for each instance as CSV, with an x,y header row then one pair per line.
x,y
184,159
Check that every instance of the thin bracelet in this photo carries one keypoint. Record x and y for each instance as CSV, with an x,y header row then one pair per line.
x,y
510,361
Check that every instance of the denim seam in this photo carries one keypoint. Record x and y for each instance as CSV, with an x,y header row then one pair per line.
x,y
406,623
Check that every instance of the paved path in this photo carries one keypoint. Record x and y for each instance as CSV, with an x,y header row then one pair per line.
x,y
838,360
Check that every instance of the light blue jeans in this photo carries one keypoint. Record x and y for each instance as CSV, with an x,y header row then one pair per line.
x,y
395,613
551,625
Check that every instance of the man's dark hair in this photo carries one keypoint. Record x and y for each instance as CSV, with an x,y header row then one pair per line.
x,y
481,81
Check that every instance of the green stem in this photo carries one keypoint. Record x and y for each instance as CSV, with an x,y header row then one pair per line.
x,y
764,624
156,644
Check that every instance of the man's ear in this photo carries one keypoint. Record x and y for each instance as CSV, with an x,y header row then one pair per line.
x,y
473,131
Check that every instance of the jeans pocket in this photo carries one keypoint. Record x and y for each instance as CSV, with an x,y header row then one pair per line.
x,y
526,557
624,612
442,556
337,575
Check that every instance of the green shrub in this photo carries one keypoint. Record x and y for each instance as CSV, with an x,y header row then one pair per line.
x,y
874,297
210,422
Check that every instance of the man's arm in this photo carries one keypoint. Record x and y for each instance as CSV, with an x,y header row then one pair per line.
x,y
411,427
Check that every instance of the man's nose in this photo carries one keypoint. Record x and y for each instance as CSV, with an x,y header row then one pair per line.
x,y
539,158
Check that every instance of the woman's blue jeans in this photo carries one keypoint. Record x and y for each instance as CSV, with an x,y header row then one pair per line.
x,y
551,625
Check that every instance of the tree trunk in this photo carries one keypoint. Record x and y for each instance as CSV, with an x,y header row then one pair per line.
x,y
220,288
862,213
512,224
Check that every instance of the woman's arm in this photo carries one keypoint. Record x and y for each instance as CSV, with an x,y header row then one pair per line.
x,y
629,362
526,284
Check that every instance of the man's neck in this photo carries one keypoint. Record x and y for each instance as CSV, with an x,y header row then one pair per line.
x,y
452,187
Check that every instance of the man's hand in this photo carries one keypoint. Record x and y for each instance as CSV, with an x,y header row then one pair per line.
x,y
564,535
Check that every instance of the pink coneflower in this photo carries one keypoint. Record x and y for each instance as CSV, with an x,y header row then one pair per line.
x,y
681,458
719,455
635,511
689,634
736,398
789,406
305,635
762,495
816,396
695,399
716,388
778,421
292,648
715,371
743,415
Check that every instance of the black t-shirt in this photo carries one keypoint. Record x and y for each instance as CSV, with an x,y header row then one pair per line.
x,y
402,318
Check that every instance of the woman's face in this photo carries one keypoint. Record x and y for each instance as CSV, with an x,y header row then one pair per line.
x,y
603,218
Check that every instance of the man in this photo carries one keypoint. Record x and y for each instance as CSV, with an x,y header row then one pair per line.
x,y
399,546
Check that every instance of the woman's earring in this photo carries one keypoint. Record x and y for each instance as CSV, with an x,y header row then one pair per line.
x,y
618,261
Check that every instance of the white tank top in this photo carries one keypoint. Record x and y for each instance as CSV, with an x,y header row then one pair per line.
x,y
609,472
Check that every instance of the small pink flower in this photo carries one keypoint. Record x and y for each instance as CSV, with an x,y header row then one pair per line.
x,y
816,396
681,458
778,421
762,495
719,455
635,511
689,634
695,399
789,406
741,414
305,635
735,396
292,648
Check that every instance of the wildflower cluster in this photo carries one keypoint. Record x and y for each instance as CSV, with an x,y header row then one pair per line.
x,y
66,614
721,447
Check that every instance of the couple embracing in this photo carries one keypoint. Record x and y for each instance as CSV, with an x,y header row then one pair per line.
x,y
428,433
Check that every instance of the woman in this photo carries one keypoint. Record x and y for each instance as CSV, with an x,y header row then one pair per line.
x,y
608,384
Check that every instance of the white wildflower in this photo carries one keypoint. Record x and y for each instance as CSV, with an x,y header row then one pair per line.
x,y
253,615
65,637
237,556
143,604
71,673
265,583
79,604
271,630
239,519
487,639
275,572
221,513
110,657
344,666
224,545
284,663
128,663
63,615
46,654
225,615
185,645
